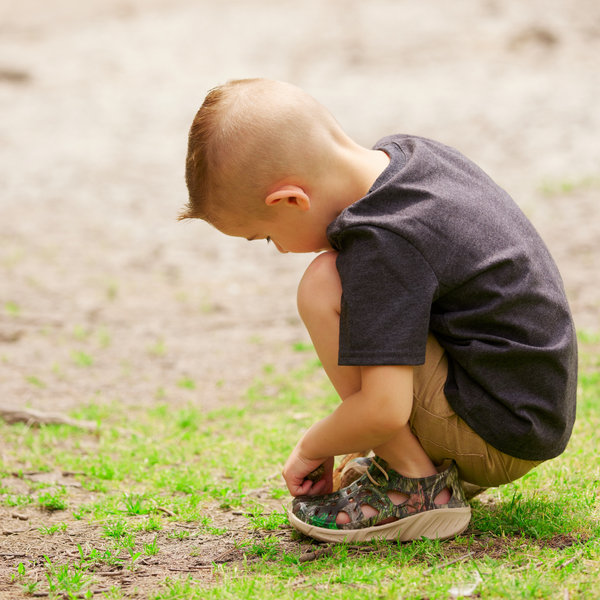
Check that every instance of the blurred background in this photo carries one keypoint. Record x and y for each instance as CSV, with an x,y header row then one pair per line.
x,y
104,297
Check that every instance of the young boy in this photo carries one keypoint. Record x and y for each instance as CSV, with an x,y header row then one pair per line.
x,y
435,308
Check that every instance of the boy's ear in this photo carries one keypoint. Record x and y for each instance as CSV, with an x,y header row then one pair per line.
x,y
291,195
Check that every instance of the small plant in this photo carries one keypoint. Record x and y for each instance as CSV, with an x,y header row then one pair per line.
x,y
177,588
205,526
52,529
267,548
158,348
80,332
188,418
134,504
126,541
104,338
152,548
66,579
269,522
27,585
81,359
112,289
302,347
134,556
153,524
186,383
114,593
178,534
33,380
227,497
18,500
115,529
12,309
52,502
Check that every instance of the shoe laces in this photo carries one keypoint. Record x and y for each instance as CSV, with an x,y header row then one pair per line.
x,y
387,477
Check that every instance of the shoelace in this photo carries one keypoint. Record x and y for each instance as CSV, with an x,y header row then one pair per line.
x,y
374,462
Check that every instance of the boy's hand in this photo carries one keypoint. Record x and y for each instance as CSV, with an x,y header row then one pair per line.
x,y
298,467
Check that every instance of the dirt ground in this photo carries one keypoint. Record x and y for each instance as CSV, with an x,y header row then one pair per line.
x,y
104,297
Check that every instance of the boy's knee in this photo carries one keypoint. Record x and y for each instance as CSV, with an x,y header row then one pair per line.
x,y
320,285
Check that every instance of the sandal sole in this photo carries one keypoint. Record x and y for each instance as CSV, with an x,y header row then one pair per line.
x,y
442,523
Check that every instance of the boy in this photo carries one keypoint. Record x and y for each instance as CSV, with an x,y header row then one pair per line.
x,y
435,308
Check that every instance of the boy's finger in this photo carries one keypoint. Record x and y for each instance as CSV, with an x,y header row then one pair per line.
x,y
318,487
303,490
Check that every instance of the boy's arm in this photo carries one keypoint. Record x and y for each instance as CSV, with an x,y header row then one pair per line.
x,y
363,421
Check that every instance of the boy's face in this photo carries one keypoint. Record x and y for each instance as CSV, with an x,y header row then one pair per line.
x,y
290,230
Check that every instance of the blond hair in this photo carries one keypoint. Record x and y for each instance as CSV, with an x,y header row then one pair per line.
x,y
248,135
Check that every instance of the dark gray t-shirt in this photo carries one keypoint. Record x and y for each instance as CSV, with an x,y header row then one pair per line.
x,y
437,245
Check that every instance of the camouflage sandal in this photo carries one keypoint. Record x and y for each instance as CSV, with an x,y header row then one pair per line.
x,y
358,466
417,517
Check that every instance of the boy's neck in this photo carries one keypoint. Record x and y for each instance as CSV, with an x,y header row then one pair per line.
x,y
357,170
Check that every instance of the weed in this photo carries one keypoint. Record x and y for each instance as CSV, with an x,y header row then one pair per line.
x,y
568,186
112,290
27,585
35,381
588,337
269,522
151,524
178,588
189,418
115,529
152,548
133,555
186,383
302,347
18,500
158,348
227,497
178,534
81,359
12,309
44,530
114,593
134,504
65,578
80,332
267,548
53,501
104,338
126,541
206,527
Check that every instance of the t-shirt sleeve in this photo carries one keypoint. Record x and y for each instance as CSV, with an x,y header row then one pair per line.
x,y
387,291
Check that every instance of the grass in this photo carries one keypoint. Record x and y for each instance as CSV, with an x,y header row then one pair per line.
x,y
538,537
558,187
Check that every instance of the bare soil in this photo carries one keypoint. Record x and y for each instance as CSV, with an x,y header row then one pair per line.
x,y
105,298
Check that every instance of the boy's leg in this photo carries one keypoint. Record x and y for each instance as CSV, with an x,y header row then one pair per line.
x,y
319,305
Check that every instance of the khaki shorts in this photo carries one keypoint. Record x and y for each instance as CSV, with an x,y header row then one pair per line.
x,y
445,436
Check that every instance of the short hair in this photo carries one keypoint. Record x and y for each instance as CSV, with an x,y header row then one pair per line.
x,y
247,135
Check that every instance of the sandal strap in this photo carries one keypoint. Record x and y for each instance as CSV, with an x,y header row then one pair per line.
x,y
387,477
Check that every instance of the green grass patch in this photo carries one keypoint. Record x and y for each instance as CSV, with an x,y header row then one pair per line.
x,y
155,472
